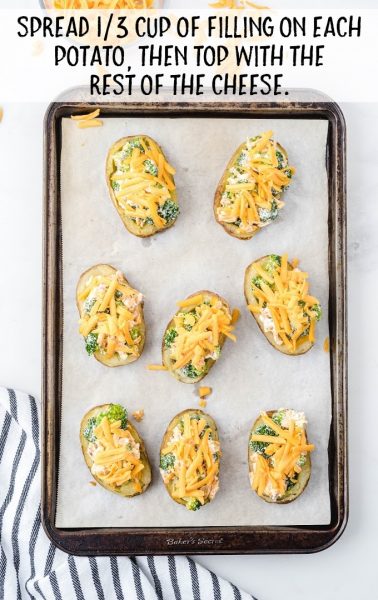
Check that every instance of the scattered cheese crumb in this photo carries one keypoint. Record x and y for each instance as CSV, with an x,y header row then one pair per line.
x,y
88,120
326,344
93,483
295,262
157,368
202,403
204,391
138,414
235,316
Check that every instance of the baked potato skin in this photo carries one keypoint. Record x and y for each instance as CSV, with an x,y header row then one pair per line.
x,y
230,228
250,299
109,271
127,490
165,351
167,435
134,228
303,477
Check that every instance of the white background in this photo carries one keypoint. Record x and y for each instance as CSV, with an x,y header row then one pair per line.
x,y
348,569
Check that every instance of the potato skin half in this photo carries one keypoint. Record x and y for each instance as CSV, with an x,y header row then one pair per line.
x,y
127,490
108,271
303,478
250,299
165,351
147,230
192,411
230,228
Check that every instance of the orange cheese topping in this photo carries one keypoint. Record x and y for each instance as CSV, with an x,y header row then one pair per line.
x,y
111,316
143,184
283,303
196,334
255,182
115,455
278,453
189,462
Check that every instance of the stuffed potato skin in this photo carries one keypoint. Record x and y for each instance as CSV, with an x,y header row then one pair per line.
x,y
166,351
236,230
303,477
128,489
176,422
107,271
147,229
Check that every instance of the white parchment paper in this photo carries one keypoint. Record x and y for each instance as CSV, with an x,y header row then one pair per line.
x,y
195,254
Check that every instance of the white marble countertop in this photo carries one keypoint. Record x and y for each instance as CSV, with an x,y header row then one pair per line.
x,y
346,570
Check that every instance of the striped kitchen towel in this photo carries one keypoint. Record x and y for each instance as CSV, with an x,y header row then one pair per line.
x,y
31,567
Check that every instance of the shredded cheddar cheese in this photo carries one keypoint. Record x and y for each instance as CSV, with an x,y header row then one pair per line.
x,y
254,184
326,344
138,415
143,185
283,303
196,334
111,316
278,451
88,120
115,455
189,462
204,391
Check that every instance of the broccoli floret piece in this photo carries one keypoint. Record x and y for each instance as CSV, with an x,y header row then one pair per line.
x,y
167,461
193,504
278,416
269,215
257,281
115,412
91,344
148,221
288,173
190,371
135,333
88,304
302,459
273,261
150,167
88,431
169,211
237,222
259,447
170,337
129,146
115,185
317,309
280,159
290,484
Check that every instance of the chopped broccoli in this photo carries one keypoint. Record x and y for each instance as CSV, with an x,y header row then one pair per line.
x,y
118,294
88,431
170,337
257,281
129,146
115,185
89,303
302,459
290,483
259,447
317,309
269,215
193,504
150,167
91,344
278,416
280,159
237,222
301,303
148,221
288,173
115,412
135,333
190,371
273,261
169,211
167,461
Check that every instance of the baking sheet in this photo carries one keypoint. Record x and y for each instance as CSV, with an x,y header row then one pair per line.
x,y
195,254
